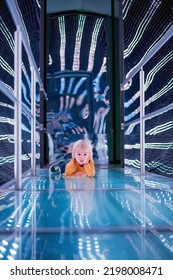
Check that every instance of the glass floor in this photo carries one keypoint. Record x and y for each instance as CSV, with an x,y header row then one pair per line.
x,y
117,215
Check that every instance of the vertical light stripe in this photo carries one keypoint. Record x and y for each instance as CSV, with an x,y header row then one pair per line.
x,y
63,42
79,34
94,43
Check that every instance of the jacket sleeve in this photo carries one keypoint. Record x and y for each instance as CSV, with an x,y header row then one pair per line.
x,y
70,169
90,168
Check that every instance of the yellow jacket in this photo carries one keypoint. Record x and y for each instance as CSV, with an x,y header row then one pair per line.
x,y
73,167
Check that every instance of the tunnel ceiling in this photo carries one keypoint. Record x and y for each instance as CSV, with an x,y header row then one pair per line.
x,y
96,6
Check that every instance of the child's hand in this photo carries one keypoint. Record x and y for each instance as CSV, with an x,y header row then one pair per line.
x,y
79,174
87,160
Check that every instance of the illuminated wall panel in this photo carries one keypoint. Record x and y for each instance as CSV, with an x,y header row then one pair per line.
x,y
132,145
159,79
144,25
159,144
30,16
77,86
6,139
132,101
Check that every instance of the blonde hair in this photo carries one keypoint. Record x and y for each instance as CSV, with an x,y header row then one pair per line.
x,y
85,144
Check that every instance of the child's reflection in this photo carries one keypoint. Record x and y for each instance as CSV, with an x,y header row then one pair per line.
x,y
81,190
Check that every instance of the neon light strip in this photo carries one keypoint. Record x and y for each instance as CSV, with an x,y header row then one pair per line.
x,y
63,42
156,68
8,36
149,50
10,159
142,27
154,146
96,81
160,128
150,77
153,164
8,137
6,66
95,33
79,83
126,7
164,90
79,34
11,121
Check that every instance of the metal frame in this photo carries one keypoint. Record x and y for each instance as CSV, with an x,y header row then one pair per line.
x,y
33,123
19,106
142,122
18,22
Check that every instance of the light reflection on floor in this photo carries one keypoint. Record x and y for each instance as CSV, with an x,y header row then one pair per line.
x,y
116,215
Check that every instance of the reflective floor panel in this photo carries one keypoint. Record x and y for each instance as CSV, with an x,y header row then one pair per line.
x,y
118,214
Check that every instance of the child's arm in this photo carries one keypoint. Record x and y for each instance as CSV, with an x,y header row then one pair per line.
x,y
70,169
90,168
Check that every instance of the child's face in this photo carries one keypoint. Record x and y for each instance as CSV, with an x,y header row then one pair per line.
x,y
81,156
